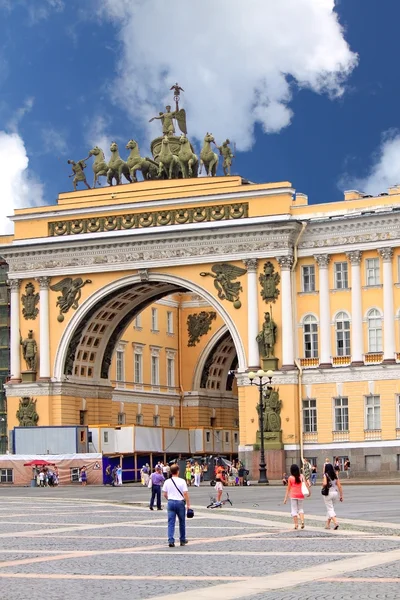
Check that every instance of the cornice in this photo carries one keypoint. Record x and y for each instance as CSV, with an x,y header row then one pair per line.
x,y
350,374
168,250
51,388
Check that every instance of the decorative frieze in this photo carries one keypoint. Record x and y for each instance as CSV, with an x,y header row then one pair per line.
x,y
160,218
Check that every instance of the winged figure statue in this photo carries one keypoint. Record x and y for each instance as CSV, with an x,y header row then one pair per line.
x,y
70,294
224,275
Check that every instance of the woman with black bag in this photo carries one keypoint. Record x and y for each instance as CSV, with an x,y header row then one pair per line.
x,y
331,491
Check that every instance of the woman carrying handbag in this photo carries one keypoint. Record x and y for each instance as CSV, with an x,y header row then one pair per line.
x,y
297,490
331,491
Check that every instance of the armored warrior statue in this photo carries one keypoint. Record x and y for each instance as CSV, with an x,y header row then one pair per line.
x,y
267,337
227,154
29,351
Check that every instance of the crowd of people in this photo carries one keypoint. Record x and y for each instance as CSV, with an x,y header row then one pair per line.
x,y
113,475
298,487
47,477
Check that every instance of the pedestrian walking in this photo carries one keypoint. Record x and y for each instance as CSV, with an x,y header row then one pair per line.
x,y
337,465
119,475
347,467
144,475
295,493
165,470
157,481
332,482
314,472
188,474
241,471
83,476
108,478
197,474
176,493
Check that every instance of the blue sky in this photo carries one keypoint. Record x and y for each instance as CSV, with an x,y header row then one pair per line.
x,y
305,100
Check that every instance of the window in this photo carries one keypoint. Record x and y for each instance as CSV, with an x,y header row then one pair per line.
x,y
138,322
138,368
172,421
235,437
6,475
154,319
121,418
105,437
398,412
170,372
74,474
341,276
310,416
217,436
82,417
372,412
308,278
139,419
155,363
170,322
208,437
156,420
374,330
227,437
342,326
373,271
120,366
341,417
310,332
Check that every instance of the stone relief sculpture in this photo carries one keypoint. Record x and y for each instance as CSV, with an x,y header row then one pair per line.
x,y
272,410
267,337
224,275
70,294
198,325
29,351
26,413
269,282
29,302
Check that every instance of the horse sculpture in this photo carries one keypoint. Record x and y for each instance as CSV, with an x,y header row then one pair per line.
x,y
135,162
117,167
208,158
100,167
168,163
188,161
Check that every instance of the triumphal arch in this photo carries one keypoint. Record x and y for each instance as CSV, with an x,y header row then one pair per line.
x,y
219,250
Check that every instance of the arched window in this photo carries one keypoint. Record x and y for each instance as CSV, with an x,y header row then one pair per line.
x,y
374,319
310,333
342,327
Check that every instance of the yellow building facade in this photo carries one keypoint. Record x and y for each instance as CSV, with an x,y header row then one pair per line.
x,y
120,270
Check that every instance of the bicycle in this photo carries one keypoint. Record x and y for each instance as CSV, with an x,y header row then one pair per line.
x,y
222,502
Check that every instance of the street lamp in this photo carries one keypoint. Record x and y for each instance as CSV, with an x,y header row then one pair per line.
x,y
263,479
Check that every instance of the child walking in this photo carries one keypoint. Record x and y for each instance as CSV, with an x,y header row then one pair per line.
x,y
293,491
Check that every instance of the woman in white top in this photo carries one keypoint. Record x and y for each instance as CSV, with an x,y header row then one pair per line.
x,y
335,491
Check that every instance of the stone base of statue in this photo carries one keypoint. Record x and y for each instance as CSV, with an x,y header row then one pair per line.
x,y
28,376
269,364
275,460
272,440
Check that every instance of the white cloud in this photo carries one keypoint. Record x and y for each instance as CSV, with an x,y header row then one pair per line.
x,y
384,171
18,187
53,141
19,114
235,60
37,9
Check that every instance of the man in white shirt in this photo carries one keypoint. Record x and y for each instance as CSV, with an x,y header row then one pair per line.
x,y
176,492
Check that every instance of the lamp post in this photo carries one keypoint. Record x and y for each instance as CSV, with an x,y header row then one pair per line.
x,y
263,479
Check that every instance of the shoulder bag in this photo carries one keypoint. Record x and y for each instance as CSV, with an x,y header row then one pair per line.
x,y
190,511
325,488
304,488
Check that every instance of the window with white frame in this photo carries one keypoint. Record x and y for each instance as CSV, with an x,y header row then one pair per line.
x,y
227,437
235,437
121,418
138,366
208,437
6,475
372,271
156,420
155,370
308,278
341,413
74,474
138,321
310,416
105,437
341,275
139,419
374,320
372,412
170,322
342,328
154,319
310,335
172,421
170,372
120,370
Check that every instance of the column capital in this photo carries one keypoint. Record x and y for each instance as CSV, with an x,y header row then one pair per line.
x,y
285,262
44,282
251,264
386,254
322,260
354,257
14,284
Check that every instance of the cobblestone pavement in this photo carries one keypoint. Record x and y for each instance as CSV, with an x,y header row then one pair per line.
x,y
57,547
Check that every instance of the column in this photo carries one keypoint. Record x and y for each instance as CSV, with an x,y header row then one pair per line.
x,y
357,337
286,263
44,332
389,345
324,311
15,356
253,359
